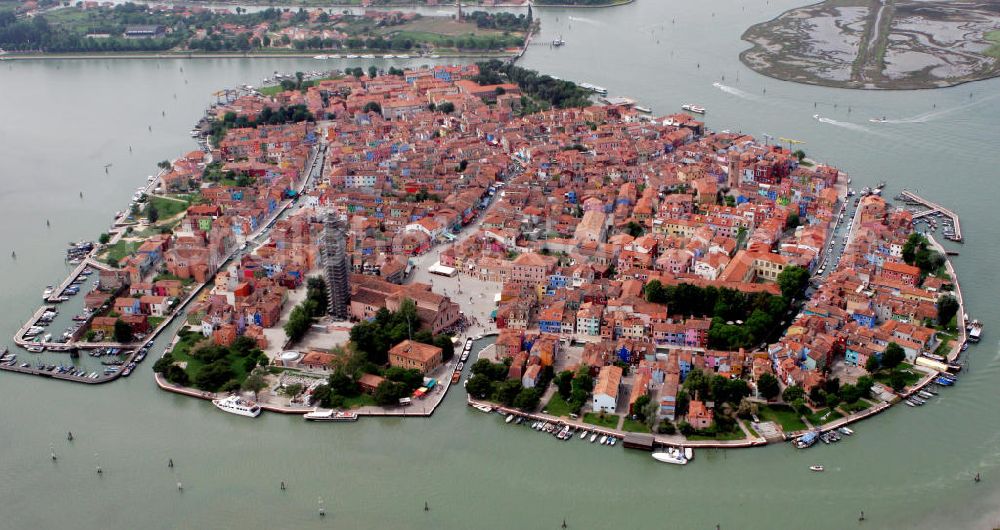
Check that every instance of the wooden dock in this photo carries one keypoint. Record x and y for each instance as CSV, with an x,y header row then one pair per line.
x,y
933,208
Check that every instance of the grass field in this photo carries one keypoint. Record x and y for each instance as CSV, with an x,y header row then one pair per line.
x,y
182,353
735,435
820,417
437,26
557,406
168,207
119,250
609,421
631,425
782,415
861,404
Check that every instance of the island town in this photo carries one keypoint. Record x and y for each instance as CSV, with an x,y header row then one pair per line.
x,y
338,250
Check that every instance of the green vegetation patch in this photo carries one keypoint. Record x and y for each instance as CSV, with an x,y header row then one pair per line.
x,y
994,50
609,421
823,416
782,415
119,250
558,406
631,425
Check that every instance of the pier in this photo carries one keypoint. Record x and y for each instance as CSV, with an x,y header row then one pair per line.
x,y
933,209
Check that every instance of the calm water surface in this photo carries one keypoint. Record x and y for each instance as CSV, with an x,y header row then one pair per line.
x,y
63,121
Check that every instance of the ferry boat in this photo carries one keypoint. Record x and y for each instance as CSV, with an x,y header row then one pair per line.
x,y
330,415
645,110
237,405
670,456
594,88
697,109
975,331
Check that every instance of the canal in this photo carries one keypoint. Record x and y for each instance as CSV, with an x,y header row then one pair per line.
x,y
63,121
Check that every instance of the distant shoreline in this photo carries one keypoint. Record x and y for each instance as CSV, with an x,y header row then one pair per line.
x,y
231,55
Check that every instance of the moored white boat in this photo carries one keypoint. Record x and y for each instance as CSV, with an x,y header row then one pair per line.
x,y
670,456
330,415
237,405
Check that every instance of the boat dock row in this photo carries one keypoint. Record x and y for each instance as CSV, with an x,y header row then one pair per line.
x,y
934,209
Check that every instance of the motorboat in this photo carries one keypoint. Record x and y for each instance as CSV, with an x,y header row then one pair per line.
x,y
604,438
484,408
670,456
330,415
688,453
237,405
593,437
510,418
816,468
583,435
690,107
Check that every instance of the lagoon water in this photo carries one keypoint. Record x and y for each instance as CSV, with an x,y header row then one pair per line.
x,y
63,121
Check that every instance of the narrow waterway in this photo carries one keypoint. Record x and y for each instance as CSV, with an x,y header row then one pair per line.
x,y
63,121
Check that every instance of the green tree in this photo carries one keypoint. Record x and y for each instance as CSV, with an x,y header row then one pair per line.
x,y
254,382
850,394
507,391
479,386
639,407
768,386
104,239
634,229
872,364
897,381
913,243
793,281
123,332
864,385
793,393
655,292
564,383
447,107
152,213
176,375
372,72
792,221
527,399
947,308
893,355
372,106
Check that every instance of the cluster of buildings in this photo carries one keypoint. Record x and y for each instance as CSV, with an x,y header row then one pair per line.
x,y
873,298
248,296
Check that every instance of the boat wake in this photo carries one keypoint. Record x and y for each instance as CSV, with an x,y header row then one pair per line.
x,y
844,124
938,113
586,21
734,91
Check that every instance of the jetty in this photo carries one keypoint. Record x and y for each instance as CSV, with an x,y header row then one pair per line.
x,y
934,208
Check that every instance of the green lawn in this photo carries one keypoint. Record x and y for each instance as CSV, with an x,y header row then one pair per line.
x,y
861,404
735,435
782,415
168,207
119,250
362,400
181,352
631,425
909,375
817,418
557,406
609,421
154,322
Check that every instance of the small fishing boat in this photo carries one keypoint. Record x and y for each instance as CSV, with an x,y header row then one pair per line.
x,y
510,418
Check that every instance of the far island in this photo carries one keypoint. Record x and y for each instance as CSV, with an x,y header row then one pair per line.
x,y
896,44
